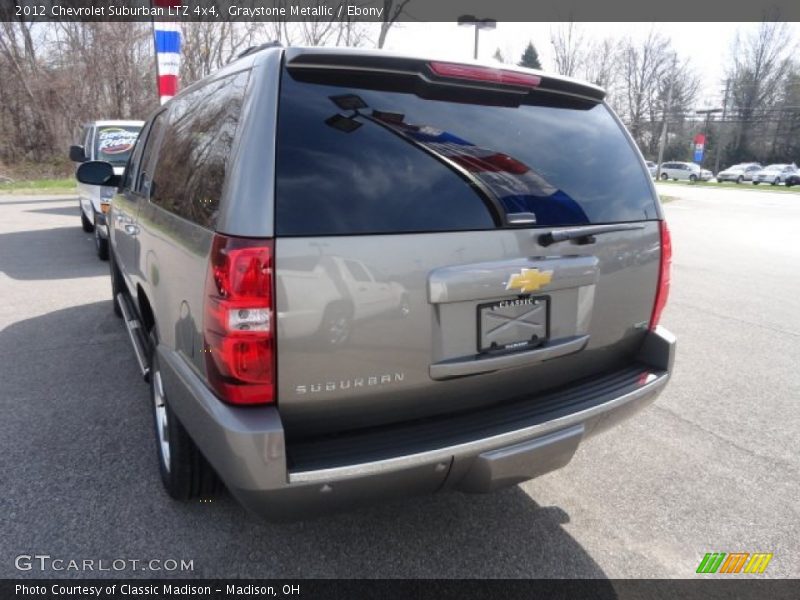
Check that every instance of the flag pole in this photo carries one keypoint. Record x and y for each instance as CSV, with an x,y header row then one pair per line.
x,y
167,37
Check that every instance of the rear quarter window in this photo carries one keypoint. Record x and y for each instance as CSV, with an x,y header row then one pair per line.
x,y
352,160
197,142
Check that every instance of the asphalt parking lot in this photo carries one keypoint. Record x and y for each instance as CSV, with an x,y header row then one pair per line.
x,y
713,466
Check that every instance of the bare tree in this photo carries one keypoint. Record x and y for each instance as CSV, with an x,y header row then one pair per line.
x,y
601,63
760,61
643,66
56,76
351,33
569,48
279,30
786,144
685,85
392,9
315,31
209,45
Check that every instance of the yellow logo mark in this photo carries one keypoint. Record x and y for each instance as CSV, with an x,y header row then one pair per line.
x,y
758,562
529,280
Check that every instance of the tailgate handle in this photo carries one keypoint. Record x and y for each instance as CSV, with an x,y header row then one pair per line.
x,y
473,366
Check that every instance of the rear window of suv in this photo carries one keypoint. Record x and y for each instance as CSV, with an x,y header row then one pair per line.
x,y
114,143
352,160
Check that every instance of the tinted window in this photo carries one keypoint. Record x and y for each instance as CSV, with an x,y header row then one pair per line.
x,y
196,145
354,160
133,160
147,162
87,140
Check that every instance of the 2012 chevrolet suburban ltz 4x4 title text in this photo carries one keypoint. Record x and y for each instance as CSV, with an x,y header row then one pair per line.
x,y
356,275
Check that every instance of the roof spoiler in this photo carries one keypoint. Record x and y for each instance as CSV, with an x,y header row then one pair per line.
x,y
499,78
258,48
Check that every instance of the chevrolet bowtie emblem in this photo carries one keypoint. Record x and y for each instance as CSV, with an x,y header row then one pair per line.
x,y
529,280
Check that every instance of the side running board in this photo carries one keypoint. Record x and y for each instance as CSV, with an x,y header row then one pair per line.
x,y
136,334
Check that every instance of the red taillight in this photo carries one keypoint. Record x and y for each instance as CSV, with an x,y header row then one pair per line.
x,y
239,320
662,293
487,74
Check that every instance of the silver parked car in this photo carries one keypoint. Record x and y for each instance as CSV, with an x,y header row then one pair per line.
x,y
651,167
684,171
399,293
775,174
739,173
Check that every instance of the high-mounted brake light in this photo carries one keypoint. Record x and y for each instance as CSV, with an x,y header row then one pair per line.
x,y
239,320
486,74
662,292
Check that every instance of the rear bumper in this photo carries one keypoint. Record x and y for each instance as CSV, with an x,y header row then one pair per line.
x,y
475,453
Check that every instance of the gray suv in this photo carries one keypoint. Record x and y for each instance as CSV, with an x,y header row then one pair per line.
x,y
354,275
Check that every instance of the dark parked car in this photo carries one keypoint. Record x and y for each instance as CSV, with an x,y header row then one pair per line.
x,y
350,275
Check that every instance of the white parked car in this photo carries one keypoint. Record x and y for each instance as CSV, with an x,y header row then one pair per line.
x,y
684,171
332,294
109,141
775,174
652,167
739,173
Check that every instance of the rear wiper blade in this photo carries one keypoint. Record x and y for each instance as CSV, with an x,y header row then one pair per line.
x,y
584,235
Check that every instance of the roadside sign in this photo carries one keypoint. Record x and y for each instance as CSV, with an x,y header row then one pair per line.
x,y
699,146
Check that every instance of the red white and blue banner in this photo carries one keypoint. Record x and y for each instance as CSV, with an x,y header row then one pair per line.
x,y
168,54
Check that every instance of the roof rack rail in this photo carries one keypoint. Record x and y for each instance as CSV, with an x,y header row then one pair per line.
x,y
252,49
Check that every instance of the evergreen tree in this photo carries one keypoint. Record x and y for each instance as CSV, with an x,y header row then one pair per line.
x,y
530,58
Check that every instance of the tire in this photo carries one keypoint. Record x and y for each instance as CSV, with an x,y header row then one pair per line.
x,y
776,181
664,177
117,284
337,323
86,224
100,243
739,179
692,178
185,473
755,183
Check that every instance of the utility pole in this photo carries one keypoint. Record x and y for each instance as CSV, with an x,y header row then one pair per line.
x,y
478,24
721,125
707,112
662,142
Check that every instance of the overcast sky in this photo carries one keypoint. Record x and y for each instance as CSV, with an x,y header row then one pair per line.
x,y
706,44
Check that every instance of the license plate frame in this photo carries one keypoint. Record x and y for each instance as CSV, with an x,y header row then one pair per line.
x,y
501,324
